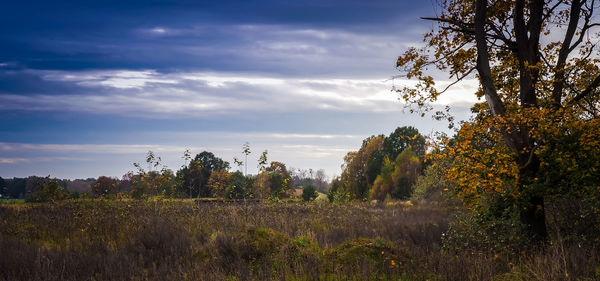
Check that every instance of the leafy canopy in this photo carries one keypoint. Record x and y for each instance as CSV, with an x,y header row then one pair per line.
x,y
537,68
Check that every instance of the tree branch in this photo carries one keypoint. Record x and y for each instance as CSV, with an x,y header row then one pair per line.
x,y
458,80
589,89
483,60
563,54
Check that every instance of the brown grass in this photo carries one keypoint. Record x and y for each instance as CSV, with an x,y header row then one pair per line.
x,y
183,240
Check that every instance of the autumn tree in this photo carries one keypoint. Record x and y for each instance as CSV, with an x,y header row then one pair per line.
x,y
537,69
156,180
356,164
105,186
280,179
273,181
361,168
219,181
397,178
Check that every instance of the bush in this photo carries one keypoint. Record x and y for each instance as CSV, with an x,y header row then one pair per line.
x,y
309,193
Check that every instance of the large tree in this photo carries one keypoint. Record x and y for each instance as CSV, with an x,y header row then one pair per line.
x,y
538,71
193,179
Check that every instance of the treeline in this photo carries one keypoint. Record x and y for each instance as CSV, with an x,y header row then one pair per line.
x,y
384,166
203,176
19,188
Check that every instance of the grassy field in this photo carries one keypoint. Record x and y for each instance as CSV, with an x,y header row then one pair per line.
x,y
12,201
184,240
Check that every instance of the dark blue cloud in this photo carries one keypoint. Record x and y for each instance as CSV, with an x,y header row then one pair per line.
x,y
82,74
106,34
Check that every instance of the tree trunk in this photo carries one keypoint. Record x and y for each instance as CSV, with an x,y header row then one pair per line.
x,y
533,214
534,219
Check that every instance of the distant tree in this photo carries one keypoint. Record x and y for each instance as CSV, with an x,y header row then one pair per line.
x,y
49,190
126,182
433,183
278,167
246,151
354,171
397,178
404,138
278,185
406,172
262,161
336,191
384,183
154,181
309,193
193,179
105,186
320,181
279,178
79,186
219,181
240,187
262,186
3,188
16,188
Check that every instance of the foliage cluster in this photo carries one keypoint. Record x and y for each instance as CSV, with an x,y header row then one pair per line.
x,y
534,139
49,190
382,166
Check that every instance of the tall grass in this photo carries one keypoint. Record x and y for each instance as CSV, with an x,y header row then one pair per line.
x,y
184,240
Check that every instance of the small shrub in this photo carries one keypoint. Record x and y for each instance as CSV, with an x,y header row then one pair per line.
x,y
309,193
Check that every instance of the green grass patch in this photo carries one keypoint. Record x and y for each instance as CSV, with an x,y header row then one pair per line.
x,y
12,201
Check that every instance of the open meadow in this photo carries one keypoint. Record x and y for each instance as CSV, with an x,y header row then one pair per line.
x,y
187,240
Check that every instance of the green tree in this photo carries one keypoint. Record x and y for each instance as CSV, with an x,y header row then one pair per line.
x,y
538,72
3,187
404,138
336,191
48,190
397,178
16,188
193,179
240,187
309,193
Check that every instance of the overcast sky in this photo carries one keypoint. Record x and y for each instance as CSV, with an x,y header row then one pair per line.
x,y
88,87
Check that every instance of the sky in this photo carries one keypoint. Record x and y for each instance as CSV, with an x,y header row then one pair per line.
x,y
88,87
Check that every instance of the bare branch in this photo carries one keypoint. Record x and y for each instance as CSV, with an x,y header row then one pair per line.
x,y
458,80
563,54
589,89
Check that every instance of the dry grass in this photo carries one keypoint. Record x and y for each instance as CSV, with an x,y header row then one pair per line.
x,y
183,240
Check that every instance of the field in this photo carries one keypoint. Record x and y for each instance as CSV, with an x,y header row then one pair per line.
x,y
186,240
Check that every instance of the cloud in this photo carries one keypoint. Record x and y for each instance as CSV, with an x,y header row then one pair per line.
x,y
13,160
296,150
148,93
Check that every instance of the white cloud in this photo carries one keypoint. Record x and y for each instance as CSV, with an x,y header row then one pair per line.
x,y
296,150
12,160
158,30
149,93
